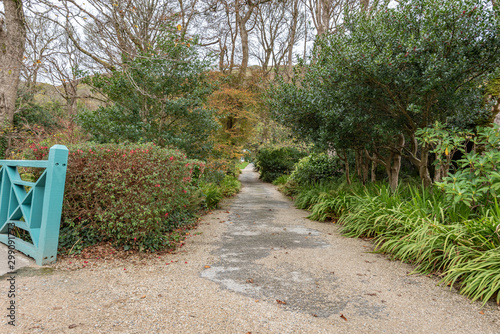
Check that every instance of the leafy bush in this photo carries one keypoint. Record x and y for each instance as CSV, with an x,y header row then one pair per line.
x,y
168,108
214,192
316,167
132,196
477,180
36,114
273,162
230,186
283,179
212,195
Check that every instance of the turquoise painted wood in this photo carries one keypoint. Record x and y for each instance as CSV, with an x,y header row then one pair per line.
x,y
37,210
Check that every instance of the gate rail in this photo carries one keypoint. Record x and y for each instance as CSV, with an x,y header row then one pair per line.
x,y
35,207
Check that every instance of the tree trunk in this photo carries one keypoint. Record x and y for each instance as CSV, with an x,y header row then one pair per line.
x,y
374,171
346,166
358,163
291,41
396,163
364,4
12,39
244,48
365,167
221,58
423,168
241,21
392,162
394,171
422,163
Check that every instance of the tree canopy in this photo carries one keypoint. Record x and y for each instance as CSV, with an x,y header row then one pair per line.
x,y
371,85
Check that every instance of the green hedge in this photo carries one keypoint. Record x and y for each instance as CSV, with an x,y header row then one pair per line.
x,y
273,162
317,167
131,195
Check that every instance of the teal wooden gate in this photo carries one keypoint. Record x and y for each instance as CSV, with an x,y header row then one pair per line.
x,y
34,206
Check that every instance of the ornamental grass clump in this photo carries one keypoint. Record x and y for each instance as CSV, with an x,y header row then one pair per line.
x,y
420,226
133,196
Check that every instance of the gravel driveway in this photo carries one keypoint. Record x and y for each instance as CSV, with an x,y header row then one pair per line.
x,y
255,266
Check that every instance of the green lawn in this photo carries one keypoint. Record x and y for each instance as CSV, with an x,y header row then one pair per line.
x,y
243,164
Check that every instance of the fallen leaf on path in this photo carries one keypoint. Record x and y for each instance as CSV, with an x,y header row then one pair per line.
x,y
281,302
343,317
370,294
143,297
72,326
206,267
249,280
481,312
314,315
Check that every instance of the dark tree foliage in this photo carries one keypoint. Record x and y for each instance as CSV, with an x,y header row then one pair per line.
x,y
158,96
373,84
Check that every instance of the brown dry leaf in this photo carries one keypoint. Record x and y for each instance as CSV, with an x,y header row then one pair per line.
x,y
72,326
481,312
314,315
207,266
343,317
370,294
143,297
281,302
249,280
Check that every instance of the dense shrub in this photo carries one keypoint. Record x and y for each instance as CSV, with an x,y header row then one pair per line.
x,y
317,167
132,196
212,194
214,191
230,186
273,162
477,180
283,179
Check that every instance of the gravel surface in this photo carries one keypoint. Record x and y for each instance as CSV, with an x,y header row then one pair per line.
x,y
255,266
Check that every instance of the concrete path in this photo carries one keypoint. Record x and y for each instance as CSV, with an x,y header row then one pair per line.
x,y
256,266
